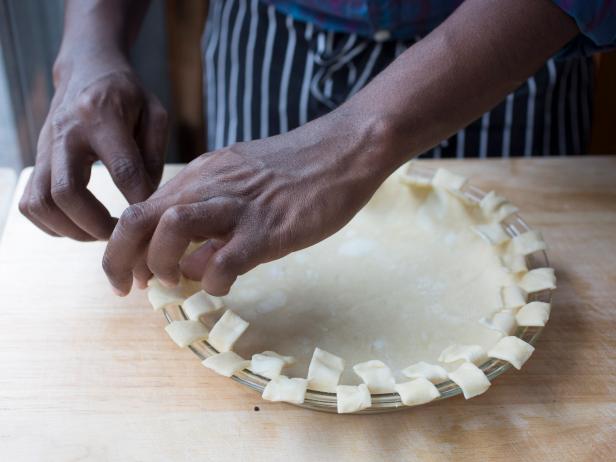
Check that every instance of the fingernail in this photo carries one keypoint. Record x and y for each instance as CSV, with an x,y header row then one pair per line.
x,y
140,284
169,284
118,292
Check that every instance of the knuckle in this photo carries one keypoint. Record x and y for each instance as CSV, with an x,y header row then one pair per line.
x,y
59,120
115,93
133,217
124,170
63,189
23,207
160,118
64,131
224,263
155,166
86,105
40,206
128,89
176,217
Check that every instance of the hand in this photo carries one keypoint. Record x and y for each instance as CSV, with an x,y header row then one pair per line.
x,y
99,112
253,202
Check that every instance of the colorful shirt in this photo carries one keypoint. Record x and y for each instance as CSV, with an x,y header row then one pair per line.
x,y
406,20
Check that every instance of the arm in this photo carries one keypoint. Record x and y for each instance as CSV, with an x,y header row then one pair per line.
x,y
102,29
482,52
261,200
98,112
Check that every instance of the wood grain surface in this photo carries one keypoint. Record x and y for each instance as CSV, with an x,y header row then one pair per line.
x,y
85,375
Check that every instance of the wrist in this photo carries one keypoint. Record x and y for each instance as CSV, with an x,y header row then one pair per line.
x,y
374,147
87,56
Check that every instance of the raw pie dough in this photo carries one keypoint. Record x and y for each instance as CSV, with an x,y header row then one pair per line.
x,y
422,284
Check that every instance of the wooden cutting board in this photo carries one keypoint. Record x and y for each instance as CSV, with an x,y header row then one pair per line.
x,y
85,375
7,183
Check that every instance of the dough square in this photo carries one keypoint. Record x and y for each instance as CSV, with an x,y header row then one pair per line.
x,y
527,243
490,202
226,363
282,388
503,321
533,314
266,365
432,372
513,350
513,296
471,353
492,233
416,392
352,398
448,180
376,375
199,304
538,279
161,297
226,331
185,333
514,263
470,379
324,371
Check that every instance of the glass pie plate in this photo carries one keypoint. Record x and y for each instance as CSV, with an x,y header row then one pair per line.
x,y
387,402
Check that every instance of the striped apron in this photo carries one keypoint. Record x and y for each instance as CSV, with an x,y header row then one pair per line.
x,y
266,73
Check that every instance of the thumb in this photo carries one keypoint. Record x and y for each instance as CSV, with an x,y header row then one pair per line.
x,y
193,264
152,134
234,258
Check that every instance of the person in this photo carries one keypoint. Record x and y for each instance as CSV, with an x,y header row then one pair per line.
x,y
310,106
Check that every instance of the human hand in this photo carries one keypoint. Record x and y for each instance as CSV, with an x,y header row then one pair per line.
x,y
253,202
99,112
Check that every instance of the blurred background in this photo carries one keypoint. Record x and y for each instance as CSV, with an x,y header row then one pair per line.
x,y
166,56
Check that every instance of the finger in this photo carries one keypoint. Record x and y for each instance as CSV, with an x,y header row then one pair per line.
x,y
42,207
152,139
69,180
128,242
23,208
40,204
141,273
118,151
236,257
181,224
193,265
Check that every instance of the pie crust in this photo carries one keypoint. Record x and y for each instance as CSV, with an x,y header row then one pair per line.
x,y
423,275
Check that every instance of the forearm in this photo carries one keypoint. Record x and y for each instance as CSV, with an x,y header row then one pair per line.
x,y
483,51
100,29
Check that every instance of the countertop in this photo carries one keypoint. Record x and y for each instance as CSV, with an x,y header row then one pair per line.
x,y
7,183
85,375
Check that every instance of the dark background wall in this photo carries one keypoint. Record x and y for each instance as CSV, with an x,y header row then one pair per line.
x,y
30,35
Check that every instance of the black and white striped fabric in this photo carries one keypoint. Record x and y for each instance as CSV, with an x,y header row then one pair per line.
x,y
267,73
